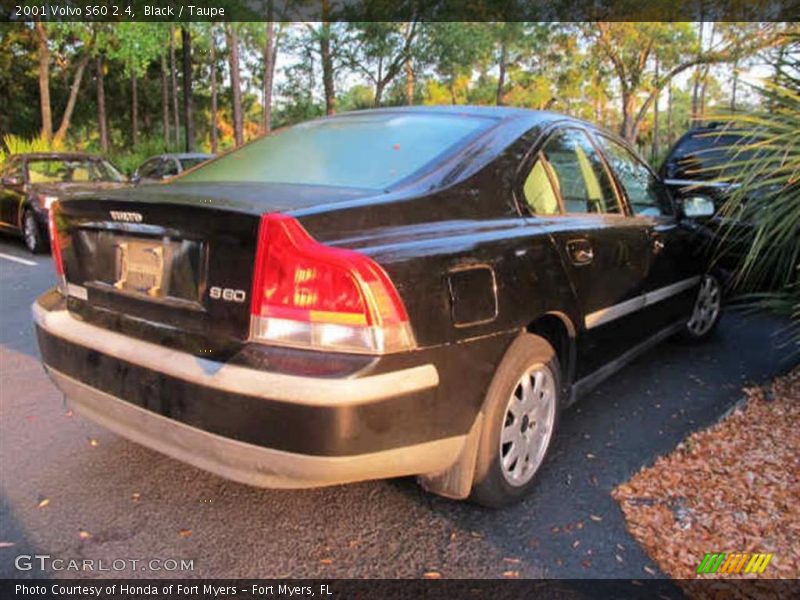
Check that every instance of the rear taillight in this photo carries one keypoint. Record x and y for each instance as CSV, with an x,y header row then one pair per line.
x,y
310,295
55,246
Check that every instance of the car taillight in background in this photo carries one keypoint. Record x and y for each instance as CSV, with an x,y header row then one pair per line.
x,y
55,246
309,295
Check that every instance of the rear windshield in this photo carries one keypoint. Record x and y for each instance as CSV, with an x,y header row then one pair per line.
x,y
360,151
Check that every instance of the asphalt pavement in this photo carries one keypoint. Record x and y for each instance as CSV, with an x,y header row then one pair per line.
x,y
73,491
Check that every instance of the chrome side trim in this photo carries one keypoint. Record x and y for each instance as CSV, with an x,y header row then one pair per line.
x,y
248,463
670,290
697,184
611,313
606,315
310,391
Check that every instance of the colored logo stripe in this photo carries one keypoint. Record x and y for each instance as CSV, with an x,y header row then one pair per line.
x,y
733,563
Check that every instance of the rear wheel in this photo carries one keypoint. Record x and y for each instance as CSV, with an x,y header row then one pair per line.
x,y
707,310
521,412
34,239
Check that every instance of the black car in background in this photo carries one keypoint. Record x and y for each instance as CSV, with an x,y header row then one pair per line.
x,y
701,167
415,291
164,166
31,183
699,160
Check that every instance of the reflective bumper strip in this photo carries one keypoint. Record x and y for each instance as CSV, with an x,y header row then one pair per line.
x,y
311,391
611,313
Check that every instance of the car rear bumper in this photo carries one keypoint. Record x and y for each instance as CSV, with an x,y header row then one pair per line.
x,y
254,426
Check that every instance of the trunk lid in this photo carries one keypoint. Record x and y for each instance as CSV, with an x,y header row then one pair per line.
x,y
169,263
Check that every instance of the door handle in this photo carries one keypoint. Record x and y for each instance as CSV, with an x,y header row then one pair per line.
x,y
658,246
580,251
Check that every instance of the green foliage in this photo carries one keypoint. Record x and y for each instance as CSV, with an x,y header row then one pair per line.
x,y
129,159
19,145
358,97
767,171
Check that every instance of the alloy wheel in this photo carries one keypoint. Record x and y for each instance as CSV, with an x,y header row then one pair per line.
x,y
528,425
706,307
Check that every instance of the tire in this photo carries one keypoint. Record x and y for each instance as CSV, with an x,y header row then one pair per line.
x,y
706,312
32,233
499,479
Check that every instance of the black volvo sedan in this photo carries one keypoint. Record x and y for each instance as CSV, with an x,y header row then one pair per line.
x,y
384,293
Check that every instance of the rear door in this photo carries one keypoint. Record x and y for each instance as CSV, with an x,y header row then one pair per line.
x,y
674,267
601,248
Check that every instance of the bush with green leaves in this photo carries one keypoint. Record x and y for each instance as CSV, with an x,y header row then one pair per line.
x,y
766,171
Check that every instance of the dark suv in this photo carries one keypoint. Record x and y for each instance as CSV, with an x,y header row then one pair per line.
x,y
392,292
698,163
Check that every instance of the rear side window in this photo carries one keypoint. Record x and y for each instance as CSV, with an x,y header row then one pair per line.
x,y
360,151
150,168
170,168
569,162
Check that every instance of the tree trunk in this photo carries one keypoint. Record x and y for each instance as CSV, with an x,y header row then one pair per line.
x,y
656,132
174,78
379,88
269,73
186,38
707,68
327,64
696,83
102,120
165,102
44,82
410,83
670,136
134,111
73,97
735,82
629,128
501,78
236,90
213,58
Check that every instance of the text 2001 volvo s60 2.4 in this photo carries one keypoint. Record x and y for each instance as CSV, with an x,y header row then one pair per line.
x,y
385,293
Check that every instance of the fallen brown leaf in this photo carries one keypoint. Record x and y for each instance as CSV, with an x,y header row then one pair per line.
x,y
185,533
43,502
84,535
432,575
729,488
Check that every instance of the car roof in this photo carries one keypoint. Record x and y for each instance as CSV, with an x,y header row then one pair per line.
x,y
496,112
508,115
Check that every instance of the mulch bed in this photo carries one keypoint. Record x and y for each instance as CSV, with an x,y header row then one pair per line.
x,y
734,487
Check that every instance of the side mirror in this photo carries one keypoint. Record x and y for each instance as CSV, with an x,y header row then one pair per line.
x,y
697,207
12,181
135,178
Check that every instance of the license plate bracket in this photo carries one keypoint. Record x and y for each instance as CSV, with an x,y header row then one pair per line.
x,y
143,266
